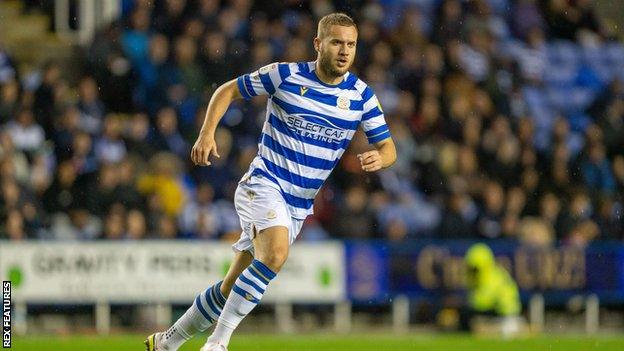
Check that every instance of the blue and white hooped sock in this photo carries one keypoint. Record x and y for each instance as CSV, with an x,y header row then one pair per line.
x,y
209,304
246,294
200,316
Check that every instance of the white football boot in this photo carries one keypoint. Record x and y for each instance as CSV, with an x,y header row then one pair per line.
x,y
152,343
213,346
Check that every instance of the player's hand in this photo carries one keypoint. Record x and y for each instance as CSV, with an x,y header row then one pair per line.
x,y
370,161
204,147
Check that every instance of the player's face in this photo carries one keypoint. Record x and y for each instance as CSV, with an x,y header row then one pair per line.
x,y
337,50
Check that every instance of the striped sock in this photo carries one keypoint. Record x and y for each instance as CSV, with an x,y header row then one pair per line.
x,y
200,316
246,293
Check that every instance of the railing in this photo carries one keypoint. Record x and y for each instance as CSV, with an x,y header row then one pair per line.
x,y
90,16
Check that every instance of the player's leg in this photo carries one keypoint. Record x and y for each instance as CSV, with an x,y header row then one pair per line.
x,y
271,249
241,261
204,311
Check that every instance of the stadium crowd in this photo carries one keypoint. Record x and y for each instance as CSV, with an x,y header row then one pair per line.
x,y
508,117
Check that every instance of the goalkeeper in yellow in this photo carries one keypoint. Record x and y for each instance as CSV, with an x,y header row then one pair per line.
x,y
491,291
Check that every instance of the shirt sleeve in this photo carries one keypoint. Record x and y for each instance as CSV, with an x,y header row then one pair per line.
x,y
264,81
373,121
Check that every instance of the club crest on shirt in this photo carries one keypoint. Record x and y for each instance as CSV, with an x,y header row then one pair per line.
x,y
343,102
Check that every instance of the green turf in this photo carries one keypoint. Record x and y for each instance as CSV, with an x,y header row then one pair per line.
x,y
334,343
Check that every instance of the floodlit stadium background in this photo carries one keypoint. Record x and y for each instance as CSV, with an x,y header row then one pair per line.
x,y
508,117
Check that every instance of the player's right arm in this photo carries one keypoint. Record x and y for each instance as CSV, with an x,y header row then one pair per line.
x,y
205,145
261,82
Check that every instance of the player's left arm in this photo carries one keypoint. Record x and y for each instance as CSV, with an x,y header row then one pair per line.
x,y
382,157
378,134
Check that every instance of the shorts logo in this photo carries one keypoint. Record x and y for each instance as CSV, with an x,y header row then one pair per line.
x,y
343,102
271,214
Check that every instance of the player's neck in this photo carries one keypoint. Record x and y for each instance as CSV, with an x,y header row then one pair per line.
x,y
325,77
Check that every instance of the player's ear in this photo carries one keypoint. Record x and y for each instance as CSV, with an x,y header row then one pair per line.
x,y
317,44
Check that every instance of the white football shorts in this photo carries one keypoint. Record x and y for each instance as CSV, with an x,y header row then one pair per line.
x,y
260,205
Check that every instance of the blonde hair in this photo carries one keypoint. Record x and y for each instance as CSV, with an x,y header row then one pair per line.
x,y
337,18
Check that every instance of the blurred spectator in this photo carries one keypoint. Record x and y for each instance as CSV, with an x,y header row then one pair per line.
x,y
610,219
156,74
505,166
163,183
354,219
582,233
27,135
169,17
167,137
83,157
44,103
597,170
580,209
448,26
213,57
114,225
612,124
200,217
12,198
101,195
14,226
166,228
92,109
550,212
527,17
77,224
489,223
8,70
110,147
40,177
13,162
536,232
117,81
458,218
64,193
9,99
65,127
566,19
136,138
474,56
126,192
136,225
185,52
222,174
135,40
618,172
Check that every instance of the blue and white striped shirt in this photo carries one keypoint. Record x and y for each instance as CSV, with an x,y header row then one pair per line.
x,y
308,127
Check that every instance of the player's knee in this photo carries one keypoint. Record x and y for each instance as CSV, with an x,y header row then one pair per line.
x,y
275,259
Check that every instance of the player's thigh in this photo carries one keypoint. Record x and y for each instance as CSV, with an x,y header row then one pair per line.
x,y
271,246
259,206
242,260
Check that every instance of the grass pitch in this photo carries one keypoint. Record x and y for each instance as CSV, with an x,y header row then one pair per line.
x,y
333,343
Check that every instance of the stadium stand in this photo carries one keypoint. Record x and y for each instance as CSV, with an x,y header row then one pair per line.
x,y
508,115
